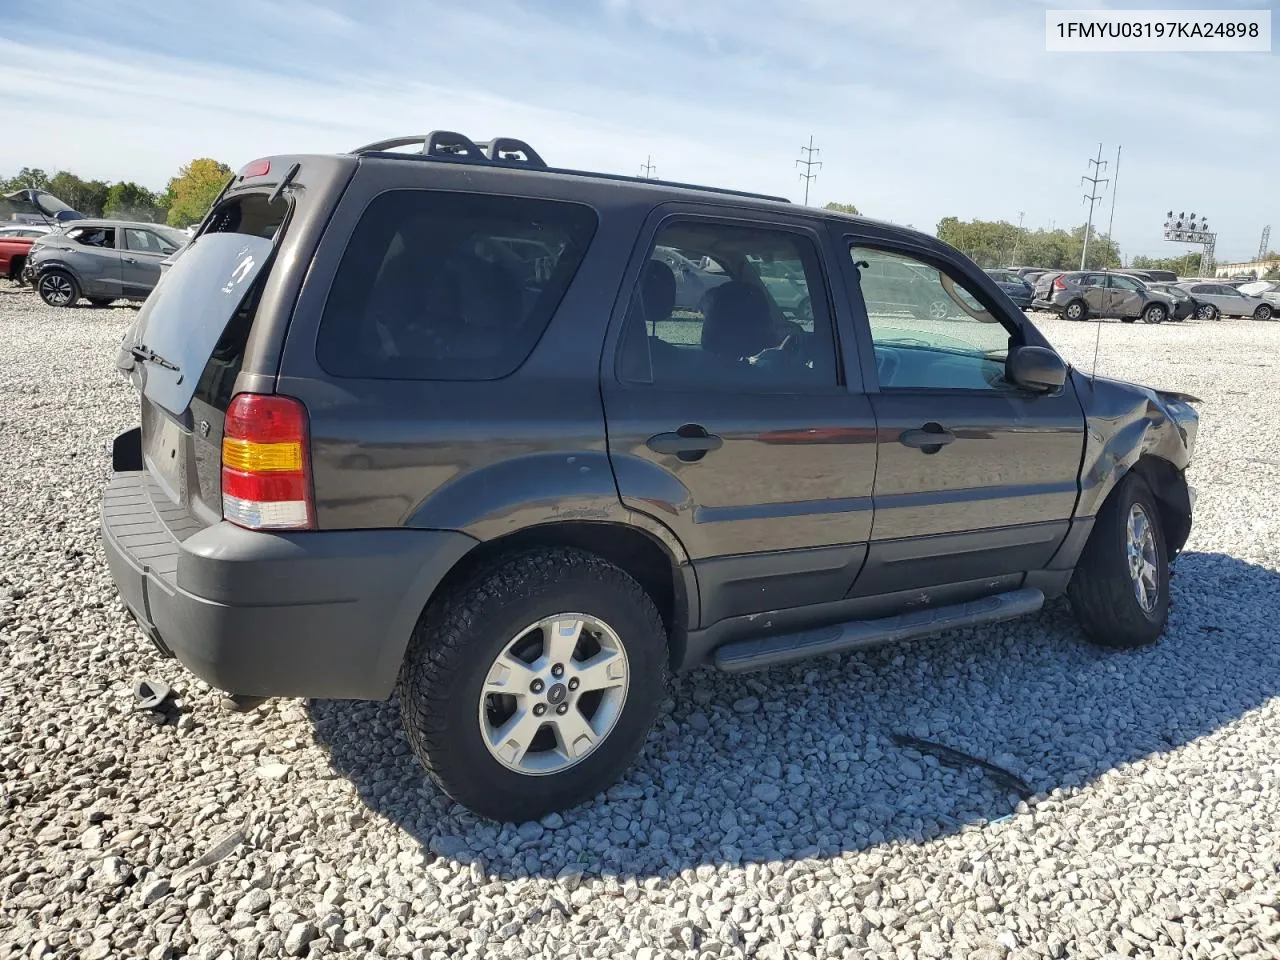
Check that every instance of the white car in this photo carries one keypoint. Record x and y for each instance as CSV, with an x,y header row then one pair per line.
x,y
1268,290
1218,299
24,230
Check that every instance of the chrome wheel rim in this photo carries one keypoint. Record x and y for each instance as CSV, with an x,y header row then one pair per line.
x,y
1141,552
1156,314
553,694
56,289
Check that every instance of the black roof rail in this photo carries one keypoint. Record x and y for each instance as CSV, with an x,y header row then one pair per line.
x,y
450,147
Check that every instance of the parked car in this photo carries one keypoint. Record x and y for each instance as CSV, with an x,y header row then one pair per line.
x,y
1217,300
24,230
1158,276
1018,289
1097,293
1268,290
15,247
36,206
1184,305
101,260
369,459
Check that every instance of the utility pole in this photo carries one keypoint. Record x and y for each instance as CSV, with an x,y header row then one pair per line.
x,y
1017,238
647,168
1115,185
1093,197
809,163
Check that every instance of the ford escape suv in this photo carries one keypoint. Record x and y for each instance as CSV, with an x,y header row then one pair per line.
x,y
440,423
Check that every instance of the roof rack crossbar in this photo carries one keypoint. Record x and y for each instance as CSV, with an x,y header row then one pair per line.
x,y
509,152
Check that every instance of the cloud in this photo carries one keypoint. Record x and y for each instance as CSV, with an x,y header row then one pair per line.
x,y
922,110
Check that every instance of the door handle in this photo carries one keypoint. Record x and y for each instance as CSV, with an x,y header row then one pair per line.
x,y
930,438
130,260
691,442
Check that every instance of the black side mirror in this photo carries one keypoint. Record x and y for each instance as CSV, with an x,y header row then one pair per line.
x,y
1035,368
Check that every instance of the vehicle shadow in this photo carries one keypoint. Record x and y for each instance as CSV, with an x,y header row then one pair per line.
x,y
799,761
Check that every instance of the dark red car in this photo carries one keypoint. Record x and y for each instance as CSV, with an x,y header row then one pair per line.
x,y
15,244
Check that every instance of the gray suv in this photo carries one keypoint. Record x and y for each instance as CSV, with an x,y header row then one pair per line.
x,y
101,261
1081,294
440,423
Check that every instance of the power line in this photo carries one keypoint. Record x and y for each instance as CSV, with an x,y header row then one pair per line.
x,y
809,163
647,169
1093,197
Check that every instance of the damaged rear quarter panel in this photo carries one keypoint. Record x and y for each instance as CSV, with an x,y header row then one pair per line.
x,y
1123,423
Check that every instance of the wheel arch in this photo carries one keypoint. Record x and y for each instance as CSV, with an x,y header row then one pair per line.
x,y
1168,485
669,581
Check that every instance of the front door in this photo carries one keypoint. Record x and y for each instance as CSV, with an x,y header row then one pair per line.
x,y
97,260
730,419
1095,294
1125,296
975,478
140,260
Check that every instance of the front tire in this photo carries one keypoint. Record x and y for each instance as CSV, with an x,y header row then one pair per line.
x,y
1120,588
1155,313
532,688
1263,312
58,288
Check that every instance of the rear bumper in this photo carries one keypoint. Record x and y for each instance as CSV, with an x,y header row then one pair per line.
x,y
319,614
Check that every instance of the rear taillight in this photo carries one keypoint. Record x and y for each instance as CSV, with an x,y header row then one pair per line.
x,y
1059,283
266,464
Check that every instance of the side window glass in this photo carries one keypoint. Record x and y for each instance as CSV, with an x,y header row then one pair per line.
x,y
729,307
449,286
929,331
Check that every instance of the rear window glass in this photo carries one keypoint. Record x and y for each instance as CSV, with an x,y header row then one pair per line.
x,y
449,286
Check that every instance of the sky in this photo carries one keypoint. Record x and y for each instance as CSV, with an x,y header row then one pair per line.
x,y
921,108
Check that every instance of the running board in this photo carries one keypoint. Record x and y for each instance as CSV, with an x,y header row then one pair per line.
x,y
761,652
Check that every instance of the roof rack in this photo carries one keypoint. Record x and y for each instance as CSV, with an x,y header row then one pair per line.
x,y
450,147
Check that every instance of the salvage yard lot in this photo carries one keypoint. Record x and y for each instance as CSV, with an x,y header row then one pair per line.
x,y
769,813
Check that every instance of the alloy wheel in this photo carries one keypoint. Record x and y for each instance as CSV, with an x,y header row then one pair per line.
x,y
553,694
55,289
1140,548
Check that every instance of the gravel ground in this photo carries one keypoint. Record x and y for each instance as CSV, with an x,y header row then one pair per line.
x,y
768,817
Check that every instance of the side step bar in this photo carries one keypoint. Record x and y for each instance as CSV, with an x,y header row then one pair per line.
x,y
761,652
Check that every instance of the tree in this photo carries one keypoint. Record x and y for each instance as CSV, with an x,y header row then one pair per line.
x,y
992,243
86,196
28,178
1187,265
129,201
193,191
842,208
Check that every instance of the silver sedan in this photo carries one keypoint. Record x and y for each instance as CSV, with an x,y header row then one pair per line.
x,y
1218,299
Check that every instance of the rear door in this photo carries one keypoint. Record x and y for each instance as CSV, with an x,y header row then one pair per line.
x,y
140,260
1094,288
976,479
732,421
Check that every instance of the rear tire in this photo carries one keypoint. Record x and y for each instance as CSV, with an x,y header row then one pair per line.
x,y
58,288
1207,311
468,737
1263,312
1124,560
1155,313
1076,310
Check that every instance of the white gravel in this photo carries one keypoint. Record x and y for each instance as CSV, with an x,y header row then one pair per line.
x,y
768,817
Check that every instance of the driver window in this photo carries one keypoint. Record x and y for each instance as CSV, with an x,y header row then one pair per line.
x,y
731,307
929,331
